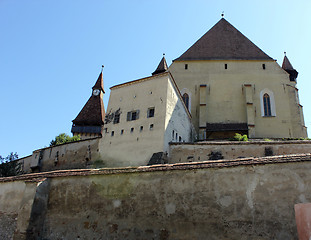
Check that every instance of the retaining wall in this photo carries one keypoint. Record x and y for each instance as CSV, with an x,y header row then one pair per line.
x,y
250,198
211,150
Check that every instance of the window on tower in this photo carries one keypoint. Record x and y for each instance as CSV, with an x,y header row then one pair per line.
x,y
150,112
185,97
133,115
116,118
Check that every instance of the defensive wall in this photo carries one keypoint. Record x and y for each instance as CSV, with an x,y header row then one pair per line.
x,y
88,153
74,155
213,150
249,198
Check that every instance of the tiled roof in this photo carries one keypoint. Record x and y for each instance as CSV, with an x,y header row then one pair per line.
x,y
286,64
93,113
223,42
162,67
252,161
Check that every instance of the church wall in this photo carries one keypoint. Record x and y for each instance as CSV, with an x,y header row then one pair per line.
x,y
226,101
204,151
178,126
135,148
232,200
296,111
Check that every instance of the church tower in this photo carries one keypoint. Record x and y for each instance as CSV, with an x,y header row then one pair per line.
x,y
90,121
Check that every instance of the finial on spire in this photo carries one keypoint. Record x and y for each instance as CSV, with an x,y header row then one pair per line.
x,y
102,68
285,53
163,54
223,14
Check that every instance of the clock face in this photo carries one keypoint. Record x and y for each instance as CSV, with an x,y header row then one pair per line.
x,y
96,92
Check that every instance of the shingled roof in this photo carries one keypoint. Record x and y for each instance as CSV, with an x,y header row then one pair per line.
x,y
93,112
162,67
286,64
223,42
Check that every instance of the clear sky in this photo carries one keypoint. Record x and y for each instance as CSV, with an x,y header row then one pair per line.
x,y
51,52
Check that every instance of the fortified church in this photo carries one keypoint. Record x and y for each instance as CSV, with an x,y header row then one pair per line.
x,y
158,163
222,85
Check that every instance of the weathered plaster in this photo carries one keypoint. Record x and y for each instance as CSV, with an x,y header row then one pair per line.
x,y
237,199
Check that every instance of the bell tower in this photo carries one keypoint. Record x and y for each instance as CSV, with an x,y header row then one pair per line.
x,y
90,121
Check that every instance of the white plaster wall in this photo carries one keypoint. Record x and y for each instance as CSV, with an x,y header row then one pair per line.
x,y
176,119
136,148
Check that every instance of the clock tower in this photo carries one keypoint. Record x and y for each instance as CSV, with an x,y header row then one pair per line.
x,y
90,121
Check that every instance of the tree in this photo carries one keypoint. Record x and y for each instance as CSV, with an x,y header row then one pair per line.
x,y
64,138
9,166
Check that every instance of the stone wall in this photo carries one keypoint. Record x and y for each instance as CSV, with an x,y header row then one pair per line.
x,y
212,150
238,199
80,154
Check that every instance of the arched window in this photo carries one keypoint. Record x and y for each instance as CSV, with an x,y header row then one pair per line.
x,y
267,105
185,97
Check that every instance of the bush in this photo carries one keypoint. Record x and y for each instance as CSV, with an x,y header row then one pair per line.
x,y
64,138
239,137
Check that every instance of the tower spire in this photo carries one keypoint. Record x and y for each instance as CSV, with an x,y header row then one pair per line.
x,y
162,67
100,81
288,67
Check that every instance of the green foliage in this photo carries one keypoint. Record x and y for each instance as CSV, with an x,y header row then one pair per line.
x,y
239,137
267,140
9,166
64,138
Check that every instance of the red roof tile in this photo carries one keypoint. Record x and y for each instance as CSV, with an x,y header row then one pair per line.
x,y
93,112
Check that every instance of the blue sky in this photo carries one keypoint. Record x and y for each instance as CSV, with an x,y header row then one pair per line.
x,y
51,52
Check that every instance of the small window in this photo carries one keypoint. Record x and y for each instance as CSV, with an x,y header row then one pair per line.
x,y
106,130
133,115
141,128
176,136
185,97
226,66
186,66
122,131
116,118
150,112
132,130
112,133
263,66
173,134
151,126
179,139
